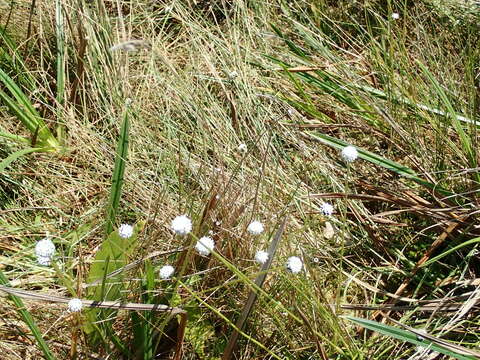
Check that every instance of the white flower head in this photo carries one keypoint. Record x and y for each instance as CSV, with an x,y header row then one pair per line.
x,y
44,250
75,305
205,245
294,264
327,209
125,231
44,260
166,272
349,153
182,225
261,257
232,75
255,228
395,16
242,147
45,247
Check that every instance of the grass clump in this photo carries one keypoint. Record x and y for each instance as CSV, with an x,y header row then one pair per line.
x,y
339,137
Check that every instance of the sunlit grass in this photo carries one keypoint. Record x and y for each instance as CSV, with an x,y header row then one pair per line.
x,y
233,114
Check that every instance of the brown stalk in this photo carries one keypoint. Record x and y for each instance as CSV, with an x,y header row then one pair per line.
x,y
401,289
410,300
434,307
320,347
211,205
180,336
117,305
80,66
420,207
30,17
233,113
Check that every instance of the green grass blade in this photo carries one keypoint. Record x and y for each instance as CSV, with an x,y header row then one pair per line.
x,y
449,251
20,97
28,319
21,106
142,324
401,100
12,61
407,336
14,137
60,97
464,138
294,48
118,172
17,154
380,161
326,82
232,342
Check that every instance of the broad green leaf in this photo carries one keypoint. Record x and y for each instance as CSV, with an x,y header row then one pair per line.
x,y
408,336
21,106
118,172
113,255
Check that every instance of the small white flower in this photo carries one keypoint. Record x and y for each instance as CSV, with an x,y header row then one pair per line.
x,y
349,153
166,272
395,16
261,257
255,228
182,225
327,209
45,247
125,231
242,147
44,260
75,305
294,264
205,245
233,75
44,250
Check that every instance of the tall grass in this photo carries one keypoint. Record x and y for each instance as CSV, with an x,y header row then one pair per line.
x,y
294,82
